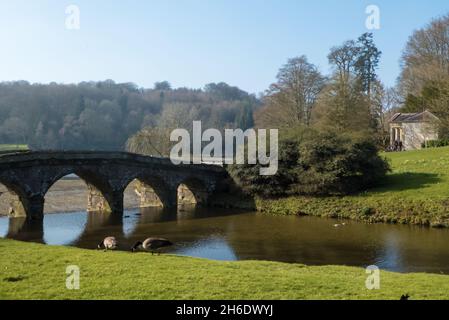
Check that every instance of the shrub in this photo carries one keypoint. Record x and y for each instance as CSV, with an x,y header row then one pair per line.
x,y
435,143
248,177
316,164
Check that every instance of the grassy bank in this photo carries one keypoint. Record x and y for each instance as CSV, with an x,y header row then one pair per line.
x,y
415,192
34,271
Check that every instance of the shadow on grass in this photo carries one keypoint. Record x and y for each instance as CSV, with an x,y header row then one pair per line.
x,y
407,181
14,279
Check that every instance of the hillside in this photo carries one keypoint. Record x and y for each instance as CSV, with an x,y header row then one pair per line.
x,y
103,115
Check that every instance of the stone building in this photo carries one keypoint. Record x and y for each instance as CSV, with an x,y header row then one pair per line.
x,y
413,129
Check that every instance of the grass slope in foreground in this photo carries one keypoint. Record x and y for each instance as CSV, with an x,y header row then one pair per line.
x,y
35,271
415,192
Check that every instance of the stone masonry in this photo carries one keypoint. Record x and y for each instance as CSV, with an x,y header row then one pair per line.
x,y
30,175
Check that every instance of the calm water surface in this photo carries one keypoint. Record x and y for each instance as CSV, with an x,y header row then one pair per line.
x,y
226,235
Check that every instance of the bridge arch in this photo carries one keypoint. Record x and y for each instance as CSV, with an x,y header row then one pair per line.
x,y
192,191
99,196
152,191
14,196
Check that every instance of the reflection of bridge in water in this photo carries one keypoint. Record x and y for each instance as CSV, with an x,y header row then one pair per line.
x,y
133,226
29,175
26,230
229,234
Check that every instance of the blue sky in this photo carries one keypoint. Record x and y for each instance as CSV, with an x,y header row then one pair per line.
x,y
194,42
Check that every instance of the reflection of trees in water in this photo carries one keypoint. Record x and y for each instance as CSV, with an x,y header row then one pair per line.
x,y
288,239
317,241
24,229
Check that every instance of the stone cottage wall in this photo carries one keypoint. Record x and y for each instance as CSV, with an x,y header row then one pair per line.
x,y
417,133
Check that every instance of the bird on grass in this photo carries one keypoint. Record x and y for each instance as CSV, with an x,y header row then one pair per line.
x,y
109,243
152,244
405,297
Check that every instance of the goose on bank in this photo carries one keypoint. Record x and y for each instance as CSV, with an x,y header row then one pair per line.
x,y
152,244
109,243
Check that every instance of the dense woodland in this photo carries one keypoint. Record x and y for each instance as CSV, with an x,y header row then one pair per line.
x,y
103,115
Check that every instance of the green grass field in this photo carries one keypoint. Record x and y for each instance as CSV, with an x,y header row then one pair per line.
x,y
35,271
416,192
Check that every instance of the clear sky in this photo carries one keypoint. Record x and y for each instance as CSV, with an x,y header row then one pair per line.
x,y
194,42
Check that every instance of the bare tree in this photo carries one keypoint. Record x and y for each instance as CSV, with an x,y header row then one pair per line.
x,y
343,107
425,57
290,100
151,142
344,59
383,103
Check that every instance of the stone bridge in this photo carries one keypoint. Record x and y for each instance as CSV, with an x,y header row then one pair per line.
x,y
28,176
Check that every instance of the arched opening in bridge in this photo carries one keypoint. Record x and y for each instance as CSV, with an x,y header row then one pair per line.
x,y
77,192
67,194
85,198
192,192
10,202
146,192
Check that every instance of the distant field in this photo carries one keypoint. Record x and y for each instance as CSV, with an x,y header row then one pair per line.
x,y
416,192
12,147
